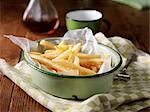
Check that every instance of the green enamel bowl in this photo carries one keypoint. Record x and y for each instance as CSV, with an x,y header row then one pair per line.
x,y
74,87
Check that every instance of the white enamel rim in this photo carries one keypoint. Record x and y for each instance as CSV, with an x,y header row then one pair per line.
x,y
84,15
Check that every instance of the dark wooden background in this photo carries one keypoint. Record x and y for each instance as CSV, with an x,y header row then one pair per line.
x,y
125,21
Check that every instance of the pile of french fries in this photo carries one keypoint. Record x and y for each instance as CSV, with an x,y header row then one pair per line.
x,y
67,59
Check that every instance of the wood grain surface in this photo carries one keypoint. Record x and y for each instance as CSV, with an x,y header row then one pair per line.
x,y
125,21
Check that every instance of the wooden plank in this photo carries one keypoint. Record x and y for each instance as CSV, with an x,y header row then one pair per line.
x,y
1,76
21,102
138,24
7,52
6,88
11,53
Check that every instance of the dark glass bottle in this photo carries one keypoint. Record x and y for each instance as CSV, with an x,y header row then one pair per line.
x,y
41,17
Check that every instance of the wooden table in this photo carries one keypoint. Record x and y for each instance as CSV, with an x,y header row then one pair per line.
x,y
125,21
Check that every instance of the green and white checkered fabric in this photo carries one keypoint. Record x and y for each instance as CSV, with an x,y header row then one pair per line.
x,y
129,96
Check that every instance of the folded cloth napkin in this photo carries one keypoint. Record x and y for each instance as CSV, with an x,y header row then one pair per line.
x,y
128,96
138,4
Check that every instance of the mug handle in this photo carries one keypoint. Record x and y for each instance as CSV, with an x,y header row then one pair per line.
x,y
107,23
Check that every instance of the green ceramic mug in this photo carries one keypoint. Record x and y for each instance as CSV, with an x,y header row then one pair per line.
x,y
86,18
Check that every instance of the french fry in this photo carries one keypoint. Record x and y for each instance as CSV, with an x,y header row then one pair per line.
x,y
76,60
48,63
82,70
94,68
96,60
47,44
71,57
52,54
76,72
48,69
87,56
49,51
45,67
62,43
61,48
76,48
74,51
70,72
64,55
37,53
93,64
